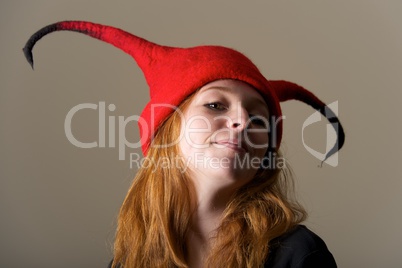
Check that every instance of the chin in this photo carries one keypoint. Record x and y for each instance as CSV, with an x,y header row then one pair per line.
x,y
230,166
230,176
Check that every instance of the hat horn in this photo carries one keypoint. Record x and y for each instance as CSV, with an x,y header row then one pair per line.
x,y
135,46
290,91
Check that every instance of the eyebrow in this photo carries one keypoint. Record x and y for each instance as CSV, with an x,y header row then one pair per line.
x,y
226,89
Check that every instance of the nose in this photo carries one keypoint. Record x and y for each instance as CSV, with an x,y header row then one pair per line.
x,y
238,119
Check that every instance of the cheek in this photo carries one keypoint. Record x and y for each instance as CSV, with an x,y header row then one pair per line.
x,y
185,150
196,132
262,139
258,137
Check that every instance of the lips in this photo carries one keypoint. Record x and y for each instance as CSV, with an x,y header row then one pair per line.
x,y
233,144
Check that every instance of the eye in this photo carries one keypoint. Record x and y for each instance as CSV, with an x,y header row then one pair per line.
x,y
259,120
215,106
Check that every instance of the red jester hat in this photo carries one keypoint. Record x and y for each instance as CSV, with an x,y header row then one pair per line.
x,y
174,73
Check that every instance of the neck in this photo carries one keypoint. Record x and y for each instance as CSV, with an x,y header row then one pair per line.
x,y
210,200
213,190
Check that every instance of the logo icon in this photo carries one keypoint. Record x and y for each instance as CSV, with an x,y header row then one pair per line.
x,y
331,137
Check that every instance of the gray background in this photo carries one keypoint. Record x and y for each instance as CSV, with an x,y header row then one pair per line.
x,y
58,203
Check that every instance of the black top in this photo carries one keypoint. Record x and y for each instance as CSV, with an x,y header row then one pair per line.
x,y
299,248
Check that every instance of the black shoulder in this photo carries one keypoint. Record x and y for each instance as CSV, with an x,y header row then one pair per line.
x,y
299,248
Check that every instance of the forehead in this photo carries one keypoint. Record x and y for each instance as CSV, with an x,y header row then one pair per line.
x,y
235,88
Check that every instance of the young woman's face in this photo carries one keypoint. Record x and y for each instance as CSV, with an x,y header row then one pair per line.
x,y
225,130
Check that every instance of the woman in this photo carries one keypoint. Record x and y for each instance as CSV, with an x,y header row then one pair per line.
x,y
215,190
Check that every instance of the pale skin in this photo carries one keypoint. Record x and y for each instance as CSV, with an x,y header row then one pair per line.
x,y
226,119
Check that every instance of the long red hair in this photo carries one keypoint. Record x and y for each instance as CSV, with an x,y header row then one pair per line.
x,y
155,216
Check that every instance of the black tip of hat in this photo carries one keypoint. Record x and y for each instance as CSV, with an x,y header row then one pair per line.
x,y
28,55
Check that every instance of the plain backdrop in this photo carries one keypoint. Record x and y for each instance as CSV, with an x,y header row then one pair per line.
x,y
59,203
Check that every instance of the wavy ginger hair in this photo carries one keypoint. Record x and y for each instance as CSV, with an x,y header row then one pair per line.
x,y
155,216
